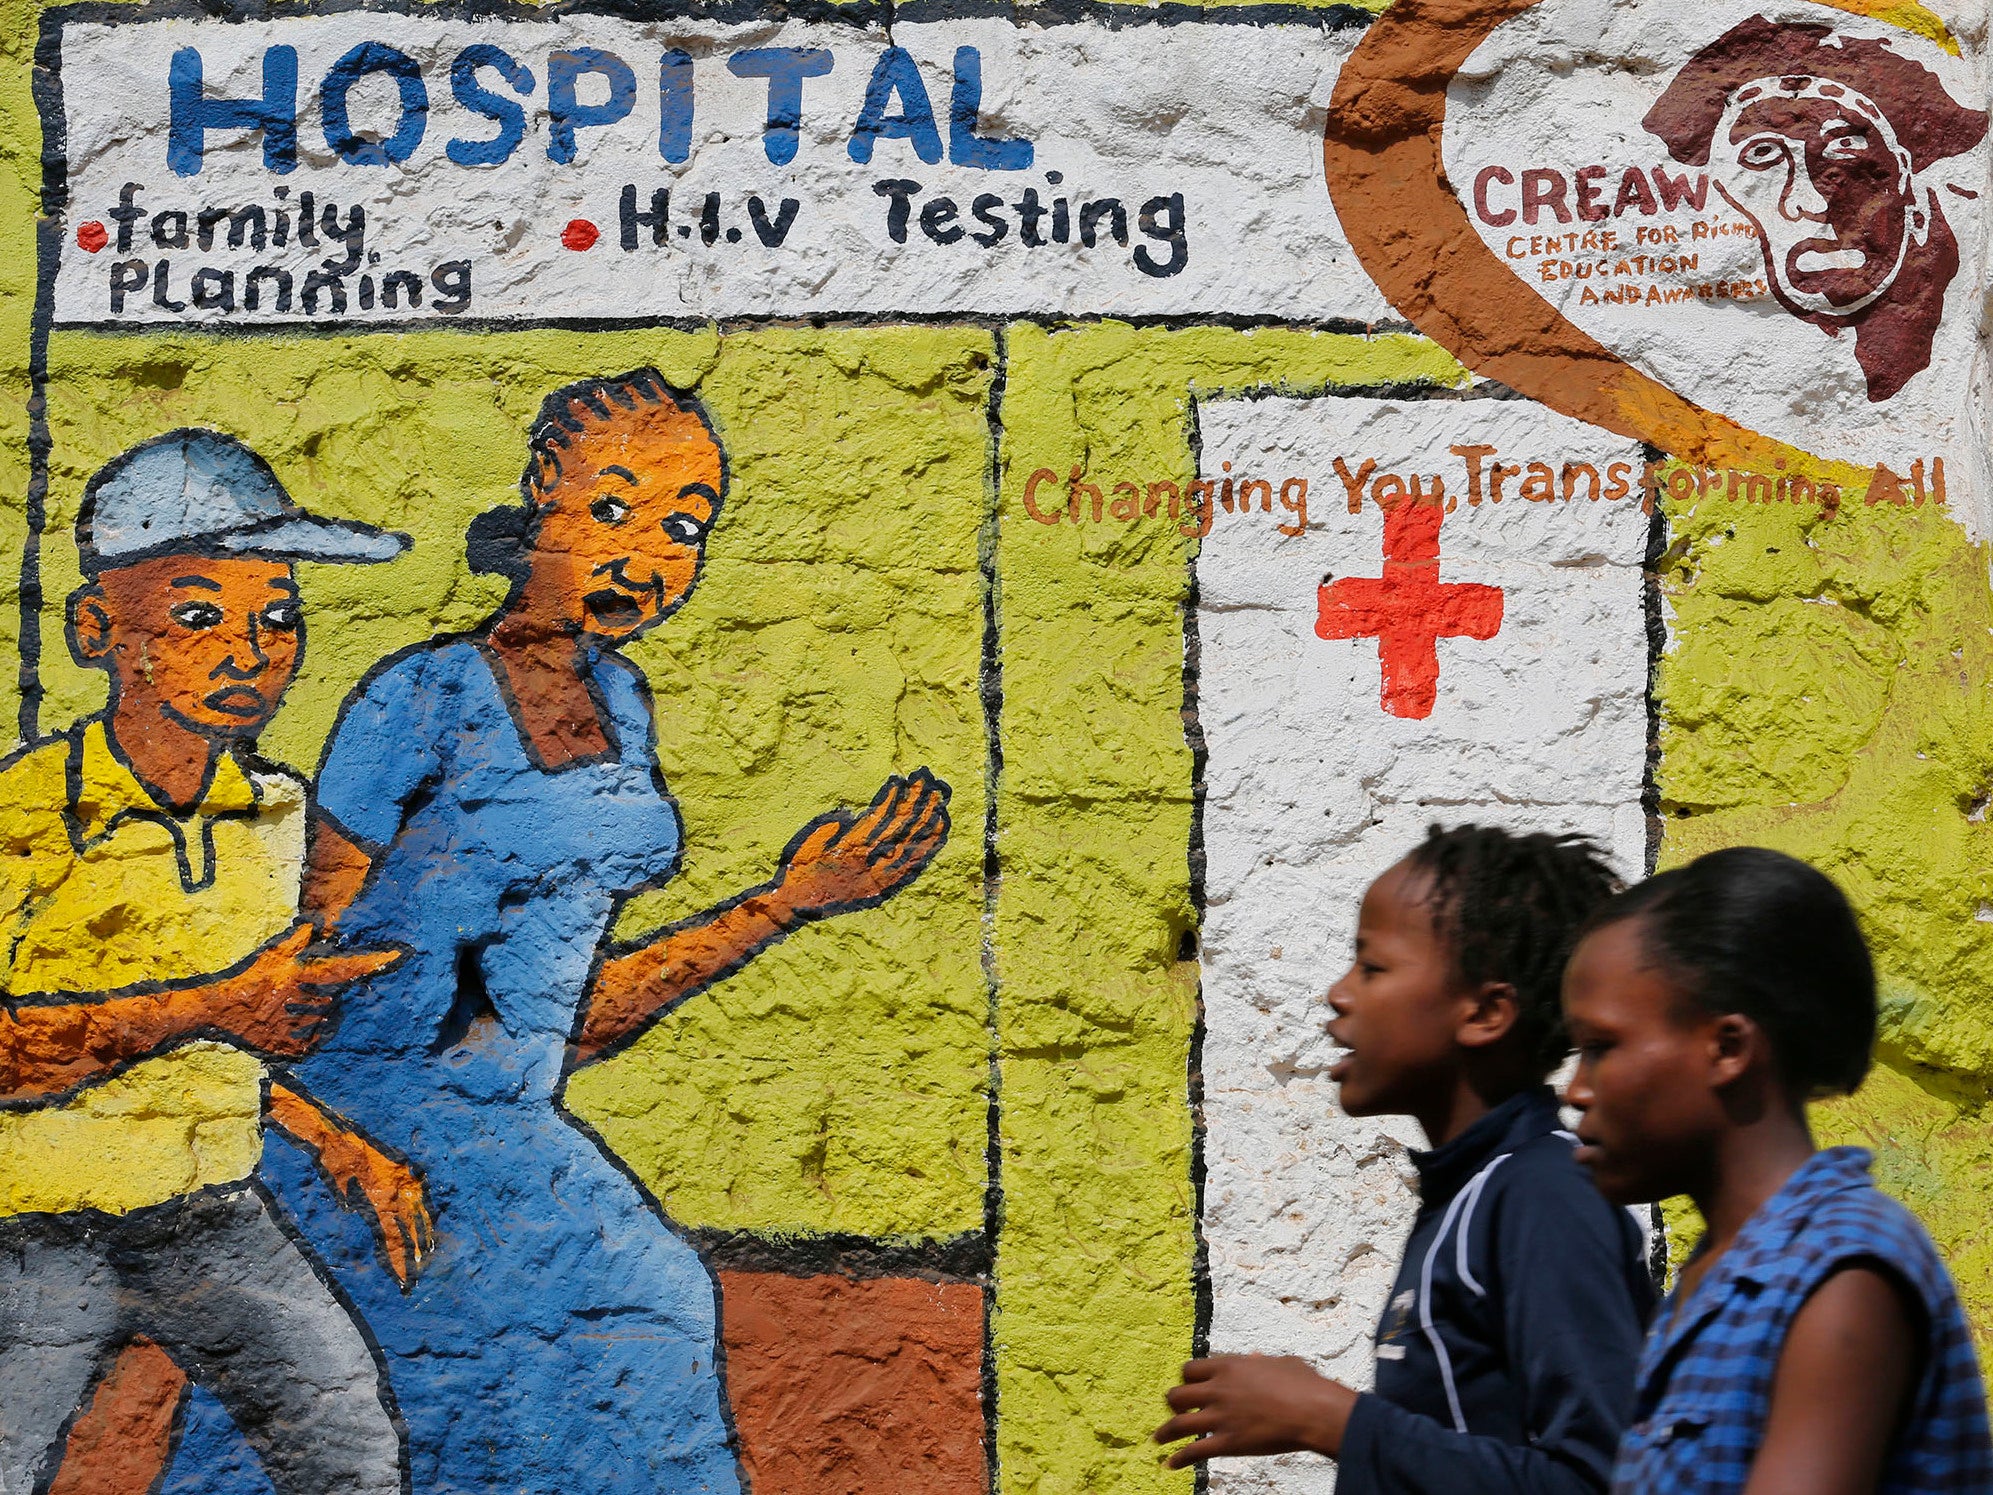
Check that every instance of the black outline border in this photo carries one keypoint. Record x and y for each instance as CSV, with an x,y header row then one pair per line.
x,y
990,685
1190,945
1114,15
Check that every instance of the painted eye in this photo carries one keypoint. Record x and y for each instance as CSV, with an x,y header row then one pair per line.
x,y
197,615
609,510
1846,147
283,616
684,529
1762,154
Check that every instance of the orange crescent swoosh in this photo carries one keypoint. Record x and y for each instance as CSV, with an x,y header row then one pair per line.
x,y
1410,231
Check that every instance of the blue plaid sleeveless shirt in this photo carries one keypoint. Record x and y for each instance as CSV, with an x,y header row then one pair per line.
x,y
1706,1374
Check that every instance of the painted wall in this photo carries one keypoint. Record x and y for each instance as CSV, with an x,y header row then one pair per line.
x,y
1070,377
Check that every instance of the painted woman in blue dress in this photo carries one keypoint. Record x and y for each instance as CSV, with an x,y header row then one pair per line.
x,y
488,802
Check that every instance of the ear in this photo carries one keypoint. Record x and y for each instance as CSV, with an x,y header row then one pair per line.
x,y
90,625
1489,1014
1736,1047
1920,212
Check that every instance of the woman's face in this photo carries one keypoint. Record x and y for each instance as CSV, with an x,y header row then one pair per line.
x,y
623,530
1651,1069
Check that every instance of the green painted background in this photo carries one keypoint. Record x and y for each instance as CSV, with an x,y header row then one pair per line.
x,y
839,1084
1826,692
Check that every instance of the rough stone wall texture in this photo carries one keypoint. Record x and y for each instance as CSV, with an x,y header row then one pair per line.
x,y
938,1190
1308,795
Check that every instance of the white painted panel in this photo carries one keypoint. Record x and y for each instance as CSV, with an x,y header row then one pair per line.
x,y
1313,789
1213,128
1674,276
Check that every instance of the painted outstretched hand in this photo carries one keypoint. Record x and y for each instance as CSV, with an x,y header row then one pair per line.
x,y
396,1203
842,860
364,1176
276,1004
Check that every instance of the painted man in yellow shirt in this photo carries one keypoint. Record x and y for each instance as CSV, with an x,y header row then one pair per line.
x,y
141,853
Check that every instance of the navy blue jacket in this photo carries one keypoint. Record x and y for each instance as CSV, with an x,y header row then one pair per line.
x,y
1506,1354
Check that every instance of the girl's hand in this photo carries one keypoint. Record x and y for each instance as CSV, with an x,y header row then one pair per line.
x,y
1255,1404
843,861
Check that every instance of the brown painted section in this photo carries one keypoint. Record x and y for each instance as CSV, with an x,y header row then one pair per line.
x,y
856,1388
1893,333
1410,231
119,1445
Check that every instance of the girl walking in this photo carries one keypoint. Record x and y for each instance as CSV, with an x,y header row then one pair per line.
x,y
1815,1344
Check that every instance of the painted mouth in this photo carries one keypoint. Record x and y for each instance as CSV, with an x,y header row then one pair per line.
x,y
237,701
1823,261
613,609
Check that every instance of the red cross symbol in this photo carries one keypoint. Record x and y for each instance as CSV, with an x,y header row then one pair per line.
x,y
1408,610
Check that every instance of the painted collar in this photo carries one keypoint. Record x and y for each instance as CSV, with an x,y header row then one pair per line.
x,y
104,792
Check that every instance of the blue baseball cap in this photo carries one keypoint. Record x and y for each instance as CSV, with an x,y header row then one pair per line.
x,y
199,492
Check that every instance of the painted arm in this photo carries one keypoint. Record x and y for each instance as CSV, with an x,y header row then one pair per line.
x,y
273,1003
361,1173
336,868
1844,1378
359,1170
838,862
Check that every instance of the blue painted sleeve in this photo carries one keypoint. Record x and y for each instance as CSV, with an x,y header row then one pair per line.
x,y
1568,1285
383,749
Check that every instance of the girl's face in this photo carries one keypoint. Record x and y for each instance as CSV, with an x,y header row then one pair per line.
x,y
623,531
1397,1006
1651,1070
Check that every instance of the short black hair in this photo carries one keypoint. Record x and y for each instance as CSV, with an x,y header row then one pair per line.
x,y
1511,907
1757,932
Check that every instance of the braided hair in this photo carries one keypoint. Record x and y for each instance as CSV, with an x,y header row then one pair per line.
x,y
1511,907
499,538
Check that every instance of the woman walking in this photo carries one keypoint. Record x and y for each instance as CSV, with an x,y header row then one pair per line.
x,y
1814,1344
489,801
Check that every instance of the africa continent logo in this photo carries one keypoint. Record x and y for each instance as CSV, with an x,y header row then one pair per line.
x,y
1821,140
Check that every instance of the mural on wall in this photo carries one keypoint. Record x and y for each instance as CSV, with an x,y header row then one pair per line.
x,y
1310,775
1818,139
1049,523
483,804
120,1236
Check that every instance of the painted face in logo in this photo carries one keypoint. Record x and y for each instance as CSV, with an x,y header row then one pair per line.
x,y
1817,169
